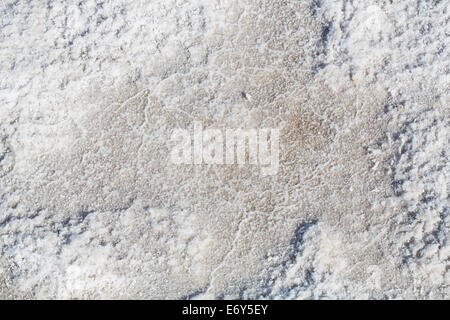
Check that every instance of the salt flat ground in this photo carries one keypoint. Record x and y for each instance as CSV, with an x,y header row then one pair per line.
x,y
91,207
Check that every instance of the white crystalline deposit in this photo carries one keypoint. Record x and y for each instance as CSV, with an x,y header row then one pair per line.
x,y
91,207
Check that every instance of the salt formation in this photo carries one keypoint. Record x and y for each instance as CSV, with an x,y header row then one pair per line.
x,y
92,208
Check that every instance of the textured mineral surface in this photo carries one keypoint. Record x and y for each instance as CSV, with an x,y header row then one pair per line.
x,y
91,207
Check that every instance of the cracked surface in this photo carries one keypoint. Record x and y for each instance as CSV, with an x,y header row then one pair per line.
x,y
91,208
